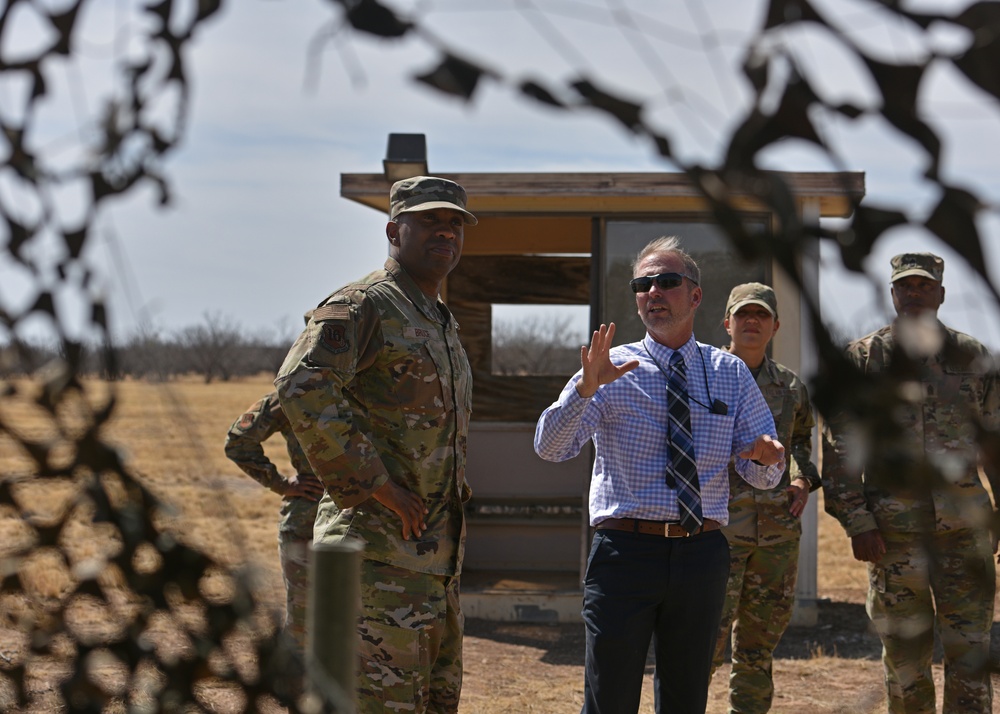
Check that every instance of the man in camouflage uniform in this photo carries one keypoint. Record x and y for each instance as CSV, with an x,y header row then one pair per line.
x,y
378,390
764,527
915,507
300,494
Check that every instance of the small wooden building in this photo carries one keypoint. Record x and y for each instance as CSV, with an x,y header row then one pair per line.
x,y
548,239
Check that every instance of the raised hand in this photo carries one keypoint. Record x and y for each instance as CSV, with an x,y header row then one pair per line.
x,y
596,362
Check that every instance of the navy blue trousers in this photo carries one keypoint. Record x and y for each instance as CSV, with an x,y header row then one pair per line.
x,y
646,587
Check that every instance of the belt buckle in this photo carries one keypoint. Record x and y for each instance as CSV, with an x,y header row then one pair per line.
x,y
666,531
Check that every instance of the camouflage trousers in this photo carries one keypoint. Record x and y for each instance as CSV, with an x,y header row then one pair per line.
x,y
760,596
410,641
294,554
950,578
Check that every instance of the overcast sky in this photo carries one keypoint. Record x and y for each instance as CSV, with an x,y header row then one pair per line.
x,y
258,231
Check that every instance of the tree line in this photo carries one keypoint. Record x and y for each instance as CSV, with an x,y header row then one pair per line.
x,y
219,349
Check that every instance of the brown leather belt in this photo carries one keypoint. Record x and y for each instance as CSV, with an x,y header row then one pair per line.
x,y
660,528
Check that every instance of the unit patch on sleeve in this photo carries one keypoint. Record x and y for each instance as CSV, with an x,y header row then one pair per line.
x,y
331,319
246,421
334,337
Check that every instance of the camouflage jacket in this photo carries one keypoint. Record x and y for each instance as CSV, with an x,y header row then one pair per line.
x,y
758,516
378,387
941,402
244,446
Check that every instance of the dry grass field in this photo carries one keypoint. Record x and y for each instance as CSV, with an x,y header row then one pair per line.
x,y
172,435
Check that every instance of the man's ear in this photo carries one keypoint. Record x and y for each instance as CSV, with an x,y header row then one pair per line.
x,y
777,324
696,297
942,294
392,232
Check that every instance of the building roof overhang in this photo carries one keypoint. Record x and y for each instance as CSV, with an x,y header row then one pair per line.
x,y
497,194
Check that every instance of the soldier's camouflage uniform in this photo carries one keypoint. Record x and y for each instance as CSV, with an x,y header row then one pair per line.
x,y
378,387
935,528
244,446
764,547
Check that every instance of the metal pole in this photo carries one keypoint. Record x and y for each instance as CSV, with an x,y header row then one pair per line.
x,y
332,617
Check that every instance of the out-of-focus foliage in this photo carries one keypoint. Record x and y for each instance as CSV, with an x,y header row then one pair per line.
x,y
145,622
129,138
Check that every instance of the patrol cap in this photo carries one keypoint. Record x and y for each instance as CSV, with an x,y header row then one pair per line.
x,y
422,193
926,264
752,294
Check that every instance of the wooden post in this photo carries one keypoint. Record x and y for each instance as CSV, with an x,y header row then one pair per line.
x,y
332,618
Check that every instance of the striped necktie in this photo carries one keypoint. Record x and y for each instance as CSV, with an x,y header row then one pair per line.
x,y
682,463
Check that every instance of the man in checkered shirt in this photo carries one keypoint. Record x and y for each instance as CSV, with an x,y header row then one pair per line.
x,y
648,577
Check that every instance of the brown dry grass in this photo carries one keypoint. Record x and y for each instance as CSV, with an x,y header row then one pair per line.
x,y
172,436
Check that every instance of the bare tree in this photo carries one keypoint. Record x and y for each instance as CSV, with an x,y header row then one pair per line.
x,y
538,344
271,345
214,348
147,354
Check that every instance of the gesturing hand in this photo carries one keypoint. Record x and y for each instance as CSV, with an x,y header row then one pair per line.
x,y
597,366
764,450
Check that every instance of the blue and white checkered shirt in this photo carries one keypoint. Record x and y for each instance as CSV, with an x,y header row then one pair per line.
x,y
627,419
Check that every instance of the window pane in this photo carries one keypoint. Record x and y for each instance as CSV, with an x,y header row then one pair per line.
x,y
721,269
538,339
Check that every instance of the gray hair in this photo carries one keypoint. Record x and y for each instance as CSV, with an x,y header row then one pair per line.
x,y
669,244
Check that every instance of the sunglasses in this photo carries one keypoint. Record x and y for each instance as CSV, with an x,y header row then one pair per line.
x,y
664,281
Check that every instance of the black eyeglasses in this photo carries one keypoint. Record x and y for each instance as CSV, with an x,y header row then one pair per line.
x,y
664,281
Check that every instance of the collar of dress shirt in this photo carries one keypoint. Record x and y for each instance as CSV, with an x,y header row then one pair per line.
x,y
662,353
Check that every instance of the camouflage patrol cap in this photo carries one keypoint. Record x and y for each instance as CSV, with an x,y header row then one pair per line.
x,y
926,264
422,193
752,294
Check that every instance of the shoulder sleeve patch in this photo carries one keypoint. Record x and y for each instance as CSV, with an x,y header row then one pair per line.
x,y
334,337
251,414
332,312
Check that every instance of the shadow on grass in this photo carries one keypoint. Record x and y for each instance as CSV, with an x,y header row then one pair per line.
x,y
842,630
